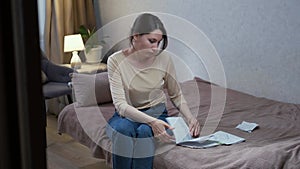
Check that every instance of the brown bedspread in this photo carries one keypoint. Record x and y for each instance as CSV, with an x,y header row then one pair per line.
x,y
275,144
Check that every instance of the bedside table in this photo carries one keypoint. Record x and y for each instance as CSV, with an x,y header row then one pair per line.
x,y
90,68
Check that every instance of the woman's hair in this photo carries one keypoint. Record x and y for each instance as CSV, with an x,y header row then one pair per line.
x,y
147,23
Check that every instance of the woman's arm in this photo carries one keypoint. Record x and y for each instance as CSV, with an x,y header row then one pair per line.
x,y
177,98
194,124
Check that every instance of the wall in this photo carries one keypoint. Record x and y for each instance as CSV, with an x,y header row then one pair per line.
x,y
41,17
257,41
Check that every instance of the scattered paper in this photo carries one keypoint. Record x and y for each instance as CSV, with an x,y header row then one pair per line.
x,y
246,126
183,137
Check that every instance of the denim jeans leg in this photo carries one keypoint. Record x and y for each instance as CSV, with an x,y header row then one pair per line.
x,y
144,148
121,131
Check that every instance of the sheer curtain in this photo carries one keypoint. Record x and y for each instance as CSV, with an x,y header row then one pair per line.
x,y
64,17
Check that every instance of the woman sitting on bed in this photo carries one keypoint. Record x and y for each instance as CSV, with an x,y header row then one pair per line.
x,y
138,76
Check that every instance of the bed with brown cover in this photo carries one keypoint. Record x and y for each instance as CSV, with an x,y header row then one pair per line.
x,y
274,144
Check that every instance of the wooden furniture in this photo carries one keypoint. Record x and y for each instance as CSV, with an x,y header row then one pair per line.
x,y
90,68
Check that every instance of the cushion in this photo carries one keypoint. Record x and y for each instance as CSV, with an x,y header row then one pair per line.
x,y
44,77
91,89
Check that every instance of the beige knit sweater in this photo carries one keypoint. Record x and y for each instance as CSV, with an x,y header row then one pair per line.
x,y
133,88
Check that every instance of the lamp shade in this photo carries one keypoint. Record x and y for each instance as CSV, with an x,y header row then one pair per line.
x,y
73,43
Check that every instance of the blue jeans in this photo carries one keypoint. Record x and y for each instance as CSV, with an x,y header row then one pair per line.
x,y
133,144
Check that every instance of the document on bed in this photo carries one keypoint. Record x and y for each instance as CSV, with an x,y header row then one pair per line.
x,y
183,137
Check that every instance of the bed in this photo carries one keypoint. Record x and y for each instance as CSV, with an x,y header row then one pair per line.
x,y
274,144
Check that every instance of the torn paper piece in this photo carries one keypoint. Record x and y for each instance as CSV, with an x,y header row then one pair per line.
x,y
246,126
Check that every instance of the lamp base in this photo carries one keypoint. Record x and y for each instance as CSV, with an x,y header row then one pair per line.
x,y
76,65
75,61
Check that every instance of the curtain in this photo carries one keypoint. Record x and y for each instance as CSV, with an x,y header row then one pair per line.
x,y
63,17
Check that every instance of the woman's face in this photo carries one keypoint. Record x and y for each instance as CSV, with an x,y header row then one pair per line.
x,y
148,42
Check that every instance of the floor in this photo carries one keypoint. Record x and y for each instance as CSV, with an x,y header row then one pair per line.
x,y
63,152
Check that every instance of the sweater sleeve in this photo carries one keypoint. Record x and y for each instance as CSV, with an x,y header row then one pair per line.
x,y
116,86
174,90
172,85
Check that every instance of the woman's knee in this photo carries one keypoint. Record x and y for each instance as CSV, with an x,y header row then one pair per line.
x,y
124,127
144,131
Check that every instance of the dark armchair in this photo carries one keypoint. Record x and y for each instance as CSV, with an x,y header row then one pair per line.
x,y
57,79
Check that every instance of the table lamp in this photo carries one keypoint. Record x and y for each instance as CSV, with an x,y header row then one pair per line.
x,y
74,43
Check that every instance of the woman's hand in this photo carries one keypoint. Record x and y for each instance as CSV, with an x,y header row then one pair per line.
x,y
159,130
194,127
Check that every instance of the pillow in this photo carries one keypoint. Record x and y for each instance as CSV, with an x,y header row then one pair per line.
x,y
44,77
91,89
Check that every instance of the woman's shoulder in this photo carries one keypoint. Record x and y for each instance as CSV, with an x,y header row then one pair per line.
x,y
117,56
